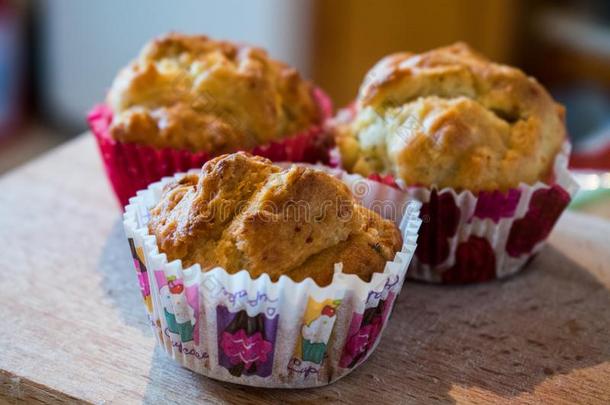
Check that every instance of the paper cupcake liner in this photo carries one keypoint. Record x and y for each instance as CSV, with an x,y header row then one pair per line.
x,y
467,238
262,333
131,167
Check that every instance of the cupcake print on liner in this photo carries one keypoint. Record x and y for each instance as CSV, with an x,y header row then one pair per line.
x,y
180,320
363,332
259,332
246,342
318,323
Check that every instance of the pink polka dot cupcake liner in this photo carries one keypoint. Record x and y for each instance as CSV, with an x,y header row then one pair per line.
x,y
468,238
131,167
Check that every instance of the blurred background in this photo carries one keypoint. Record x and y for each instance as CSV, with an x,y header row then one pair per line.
x,y
57,58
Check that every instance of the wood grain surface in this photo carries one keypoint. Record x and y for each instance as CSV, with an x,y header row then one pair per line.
x,y
74,329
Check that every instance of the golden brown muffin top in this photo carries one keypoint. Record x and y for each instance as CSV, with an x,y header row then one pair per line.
x,y
198,94
242,212
452,118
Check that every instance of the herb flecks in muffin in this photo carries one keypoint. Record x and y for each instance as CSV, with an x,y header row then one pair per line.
x,y
452,118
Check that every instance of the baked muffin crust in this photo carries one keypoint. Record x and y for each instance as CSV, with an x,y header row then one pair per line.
x,y
242,212
198,94
452,118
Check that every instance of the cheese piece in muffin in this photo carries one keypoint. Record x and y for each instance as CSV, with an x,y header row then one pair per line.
x,y
242,212
198,94
451,118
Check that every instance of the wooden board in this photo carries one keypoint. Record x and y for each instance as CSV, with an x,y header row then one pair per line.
x,y
73,326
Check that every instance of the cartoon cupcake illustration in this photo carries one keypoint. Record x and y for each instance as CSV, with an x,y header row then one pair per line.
x,y
316,334
246,342
178,317
364,331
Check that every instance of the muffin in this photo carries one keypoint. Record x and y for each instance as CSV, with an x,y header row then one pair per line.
x,y
185,99
242,212
268,276
451,118
475,140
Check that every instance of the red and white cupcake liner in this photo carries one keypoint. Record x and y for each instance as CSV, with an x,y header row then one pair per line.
x,y
467,238
258,332
131,167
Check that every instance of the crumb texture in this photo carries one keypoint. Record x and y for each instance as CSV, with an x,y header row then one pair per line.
x,y
199,94
451,118
242,212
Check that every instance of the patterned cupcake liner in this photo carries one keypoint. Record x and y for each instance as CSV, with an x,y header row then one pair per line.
x,y
256,332
467,238
131,167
